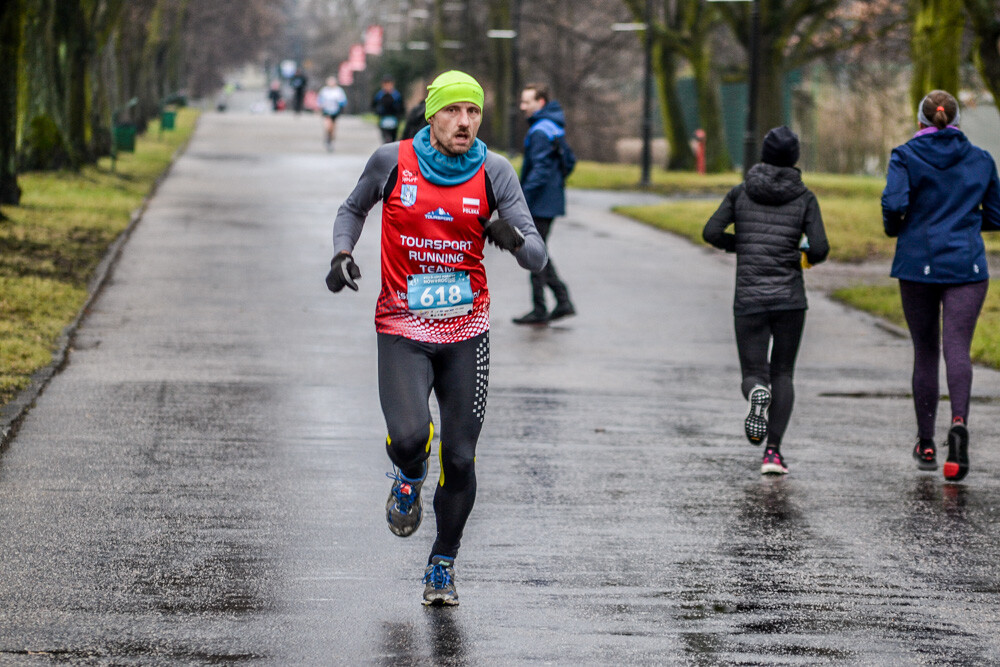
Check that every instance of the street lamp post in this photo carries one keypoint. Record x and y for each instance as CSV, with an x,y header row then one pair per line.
x,y
647,85
647,98
515,74
750,135
515,77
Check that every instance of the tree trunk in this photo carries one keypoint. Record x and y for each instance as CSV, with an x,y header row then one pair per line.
x,y
76,38
42,87
936,47
10,45
770,90
709,110
985,18
679,157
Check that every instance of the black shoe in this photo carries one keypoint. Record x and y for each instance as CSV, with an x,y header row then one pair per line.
x,y
534,317
755,425
957,465
562,310
925,454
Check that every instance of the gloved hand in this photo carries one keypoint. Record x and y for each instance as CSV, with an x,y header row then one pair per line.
x,y
502,234
343,271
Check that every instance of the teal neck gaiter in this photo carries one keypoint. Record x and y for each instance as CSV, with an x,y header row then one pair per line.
x,y
440,169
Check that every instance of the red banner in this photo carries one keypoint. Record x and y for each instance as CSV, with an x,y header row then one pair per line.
x,y
357,58
345,75
373,40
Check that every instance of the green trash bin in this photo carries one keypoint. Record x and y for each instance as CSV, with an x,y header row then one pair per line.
x,y
124,134
167,118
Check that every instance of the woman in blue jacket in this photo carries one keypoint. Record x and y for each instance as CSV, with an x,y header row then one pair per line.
x,y
941,193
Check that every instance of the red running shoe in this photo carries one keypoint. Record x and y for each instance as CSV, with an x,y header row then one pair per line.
x,y
957,465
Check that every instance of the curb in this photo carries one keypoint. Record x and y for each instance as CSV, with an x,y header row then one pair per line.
x,y
14,412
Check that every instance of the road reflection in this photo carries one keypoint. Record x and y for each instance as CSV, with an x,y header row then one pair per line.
x,y
443,644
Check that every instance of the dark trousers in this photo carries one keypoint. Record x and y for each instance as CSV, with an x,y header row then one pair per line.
x,y
388,135
458,374
547,276
941,316
782,331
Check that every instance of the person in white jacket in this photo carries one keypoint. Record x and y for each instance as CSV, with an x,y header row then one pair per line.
x,y
331,99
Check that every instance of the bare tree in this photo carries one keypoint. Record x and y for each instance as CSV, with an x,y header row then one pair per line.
x,y
984,16
794,33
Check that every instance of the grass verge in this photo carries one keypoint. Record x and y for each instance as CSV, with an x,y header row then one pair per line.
x,y
884,302
852,214
51,244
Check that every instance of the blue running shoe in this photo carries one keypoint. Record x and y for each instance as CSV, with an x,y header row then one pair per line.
x,y
755,425
439,582
403,510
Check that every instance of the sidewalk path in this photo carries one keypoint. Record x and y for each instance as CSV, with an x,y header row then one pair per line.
x,y
204,482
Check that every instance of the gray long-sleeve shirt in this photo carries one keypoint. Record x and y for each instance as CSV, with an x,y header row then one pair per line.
x,y
510,204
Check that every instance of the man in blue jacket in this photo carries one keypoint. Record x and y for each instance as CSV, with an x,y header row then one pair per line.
x,y
547,162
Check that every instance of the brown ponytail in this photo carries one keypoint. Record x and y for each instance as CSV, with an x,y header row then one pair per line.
x,y
940,108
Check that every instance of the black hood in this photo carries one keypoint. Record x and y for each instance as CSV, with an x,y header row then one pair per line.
x,y
771,185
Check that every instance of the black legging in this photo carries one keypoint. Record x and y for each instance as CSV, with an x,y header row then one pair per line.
x,y
458,373
753,335
941,316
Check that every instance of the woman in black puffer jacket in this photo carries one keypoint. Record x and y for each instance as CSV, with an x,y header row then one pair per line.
x,y
777,229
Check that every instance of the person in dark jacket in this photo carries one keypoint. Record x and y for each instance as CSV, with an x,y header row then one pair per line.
x,y
388,106
299,82
941,192
778,229
543,183
415,120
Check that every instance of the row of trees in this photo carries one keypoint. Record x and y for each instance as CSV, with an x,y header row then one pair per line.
x,y
571,45
794,33
72,68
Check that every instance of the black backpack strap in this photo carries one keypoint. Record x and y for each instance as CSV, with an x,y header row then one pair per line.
x,y
390,183
491,197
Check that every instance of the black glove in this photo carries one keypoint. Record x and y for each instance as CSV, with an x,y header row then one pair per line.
x,y
343,271
502,234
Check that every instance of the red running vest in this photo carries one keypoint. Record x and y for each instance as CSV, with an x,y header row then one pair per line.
x,y
429,229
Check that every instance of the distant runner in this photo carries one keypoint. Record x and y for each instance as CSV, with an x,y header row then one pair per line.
x,y
331,100
439,191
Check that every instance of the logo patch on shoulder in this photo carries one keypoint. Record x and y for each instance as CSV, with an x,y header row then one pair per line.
x,y
439,214
470,206
408,194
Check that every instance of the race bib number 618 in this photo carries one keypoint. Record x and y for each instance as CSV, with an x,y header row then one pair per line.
x,y
439,295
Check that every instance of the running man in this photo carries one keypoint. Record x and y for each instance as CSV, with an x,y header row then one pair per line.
x,y
438,192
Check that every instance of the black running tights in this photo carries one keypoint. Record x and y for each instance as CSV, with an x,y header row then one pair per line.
x,y
941,317
781,330
458,373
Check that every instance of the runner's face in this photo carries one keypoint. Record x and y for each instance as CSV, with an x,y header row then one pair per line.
x,y
454,128
530,104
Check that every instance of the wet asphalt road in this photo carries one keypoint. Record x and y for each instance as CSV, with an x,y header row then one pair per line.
x,y
204,482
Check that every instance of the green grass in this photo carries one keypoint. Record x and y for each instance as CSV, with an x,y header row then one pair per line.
x,y
605,176
884,301
854,232
686,218
852,215
51,244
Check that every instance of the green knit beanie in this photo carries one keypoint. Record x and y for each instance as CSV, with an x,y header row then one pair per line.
x,y
451,87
